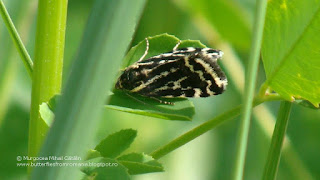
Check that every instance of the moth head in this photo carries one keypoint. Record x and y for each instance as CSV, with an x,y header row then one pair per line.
x,y
212,53
129,79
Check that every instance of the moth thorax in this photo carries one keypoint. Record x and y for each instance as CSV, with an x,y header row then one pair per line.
x,y
129,79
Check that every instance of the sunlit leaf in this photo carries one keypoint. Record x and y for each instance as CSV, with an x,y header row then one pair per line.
x,y
291,49
116,143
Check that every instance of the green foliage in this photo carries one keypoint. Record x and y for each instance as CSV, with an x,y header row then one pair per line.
x,y
140,163
111,147
116,143
307,104
182,109
157,45
290,53
110,170
290,50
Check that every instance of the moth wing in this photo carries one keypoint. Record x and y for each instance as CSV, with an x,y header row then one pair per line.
x,y
184,76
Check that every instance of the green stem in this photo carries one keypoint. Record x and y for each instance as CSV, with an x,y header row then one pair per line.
x,y
250,88
47,74
108,33
263,90
6,84
203,128
16,39
195,132
278,136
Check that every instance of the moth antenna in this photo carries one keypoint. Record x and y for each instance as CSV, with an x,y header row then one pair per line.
x,y
136,99
146,51
177,45
160,101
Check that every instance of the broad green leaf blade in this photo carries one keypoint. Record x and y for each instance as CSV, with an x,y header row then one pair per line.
x,y
140,163
291,49
182,109
116,143
226,16
106,38
105,169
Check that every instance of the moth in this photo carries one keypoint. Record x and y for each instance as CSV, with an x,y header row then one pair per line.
x,y
185,72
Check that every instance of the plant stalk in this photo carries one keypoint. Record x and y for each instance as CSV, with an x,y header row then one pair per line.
x,y
106,38
273,159
205,127
250,84
16,39
48,62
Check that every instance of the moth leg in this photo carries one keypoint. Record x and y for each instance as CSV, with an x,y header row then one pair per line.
x,y
145,52
177,45
161,101
136,99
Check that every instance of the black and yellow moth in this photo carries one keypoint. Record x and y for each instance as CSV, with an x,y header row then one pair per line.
x,y
185,72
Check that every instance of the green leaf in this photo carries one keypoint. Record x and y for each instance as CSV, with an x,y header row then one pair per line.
x,y
140,163
105,169
157,45
183,108
92,154
307,104
291,49
116,143
227,17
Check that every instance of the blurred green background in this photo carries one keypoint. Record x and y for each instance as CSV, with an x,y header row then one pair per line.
x,y
221,24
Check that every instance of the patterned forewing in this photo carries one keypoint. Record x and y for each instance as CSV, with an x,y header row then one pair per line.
x,y
180,75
